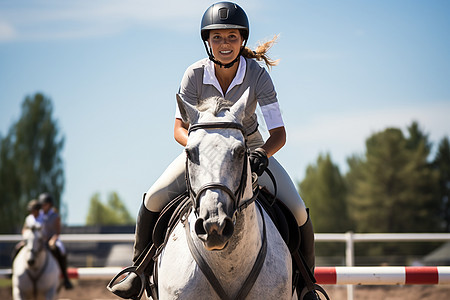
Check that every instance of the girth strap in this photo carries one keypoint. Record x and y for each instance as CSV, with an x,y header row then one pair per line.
x,y
209,274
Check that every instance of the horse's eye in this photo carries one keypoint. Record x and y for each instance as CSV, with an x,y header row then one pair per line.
x,y
238,151
192,154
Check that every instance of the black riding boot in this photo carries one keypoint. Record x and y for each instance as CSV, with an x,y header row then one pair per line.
x,y
307,250
307,243
146,220
62,261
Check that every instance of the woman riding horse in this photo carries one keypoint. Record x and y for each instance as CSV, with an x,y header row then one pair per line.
x,y
51,227
229,70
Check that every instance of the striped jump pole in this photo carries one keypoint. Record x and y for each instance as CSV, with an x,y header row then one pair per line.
x,y
383,275
324,275
79,273
93,273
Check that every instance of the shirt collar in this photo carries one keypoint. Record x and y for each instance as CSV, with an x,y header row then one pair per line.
x,y
209,75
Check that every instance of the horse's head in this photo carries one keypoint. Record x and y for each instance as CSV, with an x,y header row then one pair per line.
x,y
218,172
34,243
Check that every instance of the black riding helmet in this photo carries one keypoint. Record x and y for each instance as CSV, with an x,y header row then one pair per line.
x,y
224,15
45,198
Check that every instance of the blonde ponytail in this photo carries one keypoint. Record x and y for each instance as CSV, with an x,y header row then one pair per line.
x,y
260,53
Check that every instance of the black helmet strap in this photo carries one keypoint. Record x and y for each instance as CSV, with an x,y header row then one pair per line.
x,y
228,65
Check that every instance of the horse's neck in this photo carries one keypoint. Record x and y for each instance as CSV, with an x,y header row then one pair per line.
x,y
238,257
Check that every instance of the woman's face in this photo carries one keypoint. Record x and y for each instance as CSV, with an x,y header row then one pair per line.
x,y
225,44
46,207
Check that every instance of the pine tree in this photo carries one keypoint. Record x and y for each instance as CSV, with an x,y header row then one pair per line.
x,y
30,161
441,163
393,188
324,192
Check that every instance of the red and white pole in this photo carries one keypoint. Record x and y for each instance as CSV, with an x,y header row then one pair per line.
x,y
383,275
324,275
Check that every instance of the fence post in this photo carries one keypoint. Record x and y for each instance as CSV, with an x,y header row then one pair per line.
x,y
349,259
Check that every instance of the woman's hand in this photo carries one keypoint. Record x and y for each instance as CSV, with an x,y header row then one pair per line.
x,y
258,161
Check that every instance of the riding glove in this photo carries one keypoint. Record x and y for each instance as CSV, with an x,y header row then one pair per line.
x,y
258,161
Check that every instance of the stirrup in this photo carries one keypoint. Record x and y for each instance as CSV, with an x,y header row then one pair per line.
x,y
128,270
316,289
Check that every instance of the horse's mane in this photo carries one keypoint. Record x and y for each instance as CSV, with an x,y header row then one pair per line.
x,y
214,105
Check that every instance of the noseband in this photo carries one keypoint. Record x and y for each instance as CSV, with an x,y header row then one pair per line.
x,y
238,194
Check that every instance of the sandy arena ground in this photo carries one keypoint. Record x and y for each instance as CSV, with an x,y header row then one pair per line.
x,y
96,290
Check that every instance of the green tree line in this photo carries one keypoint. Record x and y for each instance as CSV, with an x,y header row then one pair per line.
x,y
114,212
394,187
31,163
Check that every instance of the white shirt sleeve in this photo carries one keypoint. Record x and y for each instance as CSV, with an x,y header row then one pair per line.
x,y
177,112
272,115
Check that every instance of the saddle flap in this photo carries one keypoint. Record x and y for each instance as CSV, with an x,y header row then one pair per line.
x,y
163,224
282,217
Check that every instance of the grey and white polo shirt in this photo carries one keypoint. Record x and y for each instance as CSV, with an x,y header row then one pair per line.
x,y
200,82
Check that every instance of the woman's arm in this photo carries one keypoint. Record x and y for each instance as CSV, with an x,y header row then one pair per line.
x,y
55,237
276,141
180,132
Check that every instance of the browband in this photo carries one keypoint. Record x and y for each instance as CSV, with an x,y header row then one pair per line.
x,y
217,125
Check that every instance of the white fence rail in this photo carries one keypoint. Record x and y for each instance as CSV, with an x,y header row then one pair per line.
x,y
343,275
349,238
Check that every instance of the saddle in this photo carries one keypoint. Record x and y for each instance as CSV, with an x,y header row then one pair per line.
x,y
168,220
280,215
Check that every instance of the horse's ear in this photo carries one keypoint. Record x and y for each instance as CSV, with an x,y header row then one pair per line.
x,y
238,108
189,112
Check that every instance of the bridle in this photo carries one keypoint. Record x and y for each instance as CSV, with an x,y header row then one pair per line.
x,y
237,195
41,245
239,205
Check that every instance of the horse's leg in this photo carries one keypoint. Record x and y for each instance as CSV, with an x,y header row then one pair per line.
x,y
16,293
22,290
21,283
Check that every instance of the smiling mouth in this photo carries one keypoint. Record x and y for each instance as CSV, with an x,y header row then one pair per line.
x,y
225,52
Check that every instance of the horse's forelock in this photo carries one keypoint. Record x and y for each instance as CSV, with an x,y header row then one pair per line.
x,y
214,105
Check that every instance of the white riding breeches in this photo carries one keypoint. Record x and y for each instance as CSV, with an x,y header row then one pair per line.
x,y
172,183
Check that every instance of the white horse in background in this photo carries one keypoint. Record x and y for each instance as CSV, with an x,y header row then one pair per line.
x,y
36,273
227,247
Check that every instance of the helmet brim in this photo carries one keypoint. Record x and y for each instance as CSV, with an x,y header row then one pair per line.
x,y
205,30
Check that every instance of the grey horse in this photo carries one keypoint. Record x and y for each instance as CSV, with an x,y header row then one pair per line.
x,y
214,252
36,273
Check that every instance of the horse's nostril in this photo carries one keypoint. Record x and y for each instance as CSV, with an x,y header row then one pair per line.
x,y
228,228
31,262
200,227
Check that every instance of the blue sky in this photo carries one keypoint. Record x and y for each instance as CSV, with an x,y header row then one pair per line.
x,y
112,68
